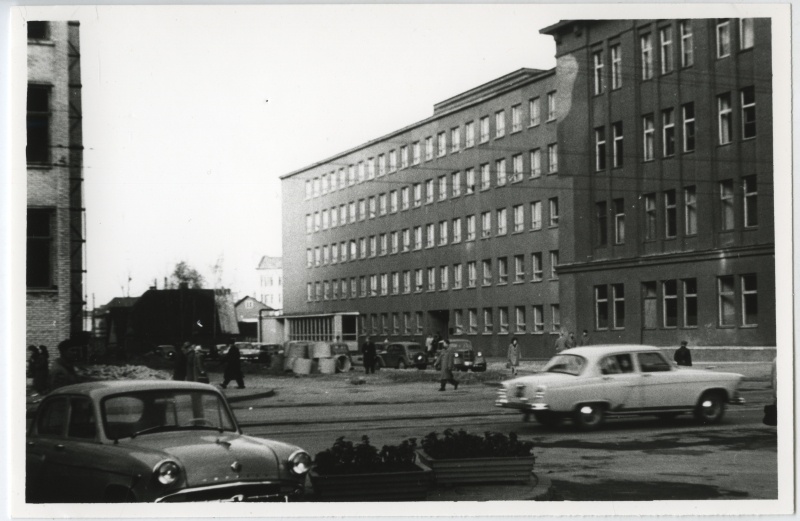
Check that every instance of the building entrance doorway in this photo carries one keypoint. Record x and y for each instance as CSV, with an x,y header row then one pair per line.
x,y
439,323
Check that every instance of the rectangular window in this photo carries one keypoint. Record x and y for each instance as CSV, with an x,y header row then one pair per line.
x,y
749,300
554,211
601,209
429,191
688,127
500,169
486,177
417,237
317,222
431,279
600,149
650,217
668,132
455,139
325,254
473,321
516,165
669,297
334,217
318,256
469,131
601,307
724,121
405,198
362,209
442,187
551,106
371,168
552,158
373,207
309,258
420,322
486,224
407,323
746,38
748,96
472,274
538,319
726,301
324,184
428,148
503,312
455,183
687,43
444,279
470,227
417,194
502,221
353,288
723,38
618,150
404,156
502,270
726,204
418,281
554,264
616,66
516,118
430,236
519,268
395,242
619,221
666,50
618,295
537,272
362,247
486,270
469,179
416,156
384,284
381,165
363,283
456,230
488,325
342,178
534,110
353,250
690,210
690,302
670,214
309,292
442,233
38,31
458,319
597,60
343,250
407,281
649,305
484,122
457,276
395,283
351,175
406,240
362,172
441,141
519,218
750,202
536,163
536,215
649,137
646,44
309,223
353,214
555,313
38,124
499,124
382,208
40,253
392,161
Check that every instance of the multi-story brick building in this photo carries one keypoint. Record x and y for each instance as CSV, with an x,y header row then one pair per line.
x,y
493,217
55,221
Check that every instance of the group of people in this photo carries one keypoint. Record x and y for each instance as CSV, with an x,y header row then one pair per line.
x,y
445,358
49,376
566,340
190,365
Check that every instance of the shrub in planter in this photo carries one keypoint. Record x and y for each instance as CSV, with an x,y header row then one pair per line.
x,y
361,472
462,457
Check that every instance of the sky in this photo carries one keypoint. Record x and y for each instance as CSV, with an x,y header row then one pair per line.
x,y
191,115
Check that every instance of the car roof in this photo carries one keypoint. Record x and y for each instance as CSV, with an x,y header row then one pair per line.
x,y
108,387
595,351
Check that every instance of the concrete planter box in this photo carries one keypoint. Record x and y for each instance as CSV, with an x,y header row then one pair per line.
x,y
478,470
410,485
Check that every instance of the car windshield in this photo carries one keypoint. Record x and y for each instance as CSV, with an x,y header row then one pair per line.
x,y
137,413
414,349
567,364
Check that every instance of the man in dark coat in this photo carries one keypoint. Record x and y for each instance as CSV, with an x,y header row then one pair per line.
x,y
683,356
179,370
369,351
233,368
63,371
445,362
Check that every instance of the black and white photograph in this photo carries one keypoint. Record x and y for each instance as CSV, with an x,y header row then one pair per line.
x,y
429,260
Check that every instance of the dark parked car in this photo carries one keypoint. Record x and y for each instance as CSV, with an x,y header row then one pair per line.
x,y
152,441
466,357
167,352
401,355
262,353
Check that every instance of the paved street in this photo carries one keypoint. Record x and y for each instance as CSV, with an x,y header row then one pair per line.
x,y
639,458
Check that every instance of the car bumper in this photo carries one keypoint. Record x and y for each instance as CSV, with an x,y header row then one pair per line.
x,y
737,400
238,492
522,406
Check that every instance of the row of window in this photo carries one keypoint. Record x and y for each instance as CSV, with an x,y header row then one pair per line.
x,y
448,232
668,47
436,278
412,155
526,319
674,303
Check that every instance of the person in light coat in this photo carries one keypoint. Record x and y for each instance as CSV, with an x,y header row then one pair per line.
x,y
514,356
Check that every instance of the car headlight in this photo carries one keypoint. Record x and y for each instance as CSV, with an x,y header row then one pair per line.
x,y
167,472
300,462
480,354
455,355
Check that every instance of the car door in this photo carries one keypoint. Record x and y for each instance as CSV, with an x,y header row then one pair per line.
x,y
619,382
45,436
660,388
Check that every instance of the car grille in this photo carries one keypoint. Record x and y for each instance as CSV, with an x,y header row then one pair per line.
x,y
467,356
237,492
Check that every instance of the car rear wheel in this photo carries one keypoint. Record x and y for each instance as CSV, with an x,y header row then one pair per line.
x,y
589,416
401,364
710,408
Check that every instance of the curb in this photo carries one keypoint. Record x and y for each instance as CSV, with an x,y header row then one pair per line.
x,y
248,397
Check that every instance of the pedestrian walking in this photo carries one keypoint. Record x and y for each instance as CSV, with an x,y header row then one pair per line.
x,y
585,340
571,341
682,355
429,345
445,363
233,367
368,350
561,341
63,371
189,372
200,365
514,356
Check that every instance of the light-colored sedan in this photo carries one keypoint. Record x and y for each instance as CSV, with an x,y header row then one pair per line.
x,y
152,441
586,384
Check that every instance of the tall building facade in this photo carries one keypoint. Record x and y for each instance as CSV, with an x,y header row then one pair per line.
x,y
625,192
270,281
54,154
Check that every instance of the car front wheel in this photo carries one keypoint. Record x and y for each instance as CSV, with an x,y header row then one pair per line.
x,y
710,408
589,416
401,365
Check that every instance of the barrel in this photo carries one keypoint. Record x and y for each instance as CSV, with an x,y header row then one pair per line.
x,y
298,351
277,363
301,366
288,363
343,364
320,350
327,365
